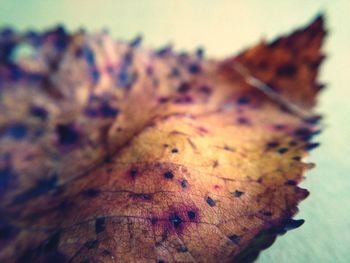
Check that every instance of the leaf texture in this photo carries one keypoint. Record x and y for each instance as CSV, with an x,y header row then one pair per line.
x,y
111,152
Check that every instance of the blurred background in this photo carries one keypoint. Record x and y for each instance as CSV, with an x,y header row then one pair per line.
x,y
224,28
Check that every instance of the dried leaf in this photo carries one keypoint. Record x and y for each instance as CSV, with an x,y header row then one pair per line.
x,y
114,153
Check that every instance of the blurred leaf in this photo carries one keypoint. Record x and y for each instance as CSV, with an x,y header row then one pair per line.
x,y
115,153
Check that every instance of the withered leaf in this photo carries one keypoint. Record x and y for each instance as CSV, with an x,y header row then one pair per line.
x,y
115,153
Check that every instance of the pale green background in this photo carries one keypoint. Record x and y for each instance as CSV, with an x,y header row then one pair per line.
x,y
225,27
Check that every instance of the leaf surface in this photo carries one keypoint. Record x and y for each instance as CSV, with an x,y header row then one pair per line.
x,y
111,152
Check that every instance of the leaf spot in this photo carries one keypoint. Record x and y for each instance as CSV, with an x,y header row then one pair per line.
x,y
210,201
168,175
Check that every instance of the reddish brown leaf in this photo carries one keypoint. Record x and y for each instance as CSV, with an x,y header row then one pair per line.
x,y
114,153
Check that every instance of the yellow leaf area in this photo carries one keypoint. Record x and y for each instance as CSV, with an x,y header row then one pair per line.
x,y
151,156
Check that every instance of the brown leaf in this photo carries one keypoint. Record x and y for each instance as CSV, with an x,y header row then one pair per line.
x,y
114,153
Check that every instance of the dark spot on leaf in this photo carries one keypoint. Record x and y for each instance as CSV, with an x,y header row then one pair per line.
x,y
126,79
291,182
67,134
95,75
89,55
311,146
243,121
287,70
17,131
100,225
200,52
296,158
154,220
191,215
234,238
228,148
168,175
272,86
267,213
194,68
279,127
79,52
108,111
282,150
91,244
38,112
290,224
210,201
61,38
263,65
16,72
147,196
175,72
272,144
304,133
108,158
141,196
313,65
174,150
175,220
136,41
237,193
184,87
184,183
163,100
319,87
128,58
184,100
182,249
205,89
91,192
243,100
133,173
313,120
106,253
164,50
